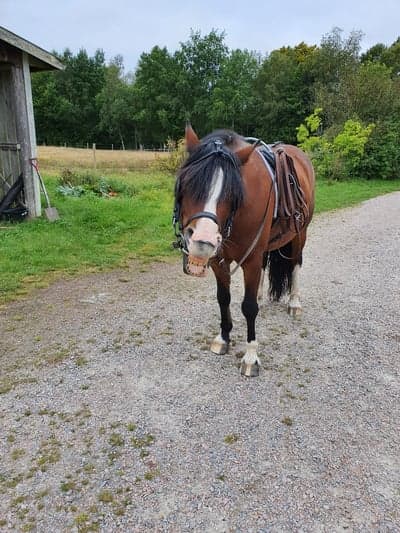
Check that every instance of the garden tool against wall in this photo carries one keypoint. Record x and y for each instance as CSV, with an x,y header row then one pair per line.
x,y
50,212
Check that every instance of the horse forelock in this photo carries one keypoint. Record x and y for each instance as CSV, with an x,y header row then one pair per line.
x,y
196,175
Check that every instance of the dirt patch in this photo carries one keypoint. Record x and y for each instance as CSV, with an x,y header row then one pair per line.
x,y
116,417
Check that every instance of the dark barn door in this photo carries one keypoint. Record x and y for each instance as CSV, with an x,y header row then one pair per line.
x,y
10,164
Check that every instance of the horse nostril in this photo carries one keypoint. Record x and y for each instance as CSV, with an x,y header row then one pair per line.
x,y
189,232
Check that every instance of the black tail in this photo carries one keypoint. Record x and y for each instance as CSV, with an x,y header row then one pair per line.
x,y
281,265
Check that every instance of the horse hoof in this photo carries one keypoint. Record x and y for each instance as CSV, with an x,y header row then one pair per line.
x,y
294,312
219,346
250,370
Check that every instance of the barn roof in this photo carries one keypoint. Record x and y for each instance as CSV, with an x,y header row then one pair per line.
x,y
38,58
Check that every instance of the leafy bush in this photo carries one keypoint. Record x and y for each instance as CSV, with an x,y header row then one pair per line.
x,y
175,157
382,155
338,156
72,183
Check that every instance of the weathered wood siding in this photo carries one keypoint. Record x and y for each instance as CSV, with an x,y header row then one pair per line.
x,y
10,164
17,126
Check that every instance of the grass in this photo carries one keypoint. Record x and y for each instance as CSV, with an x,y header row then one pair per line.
x,y
336,195
96,233
54,158
93,234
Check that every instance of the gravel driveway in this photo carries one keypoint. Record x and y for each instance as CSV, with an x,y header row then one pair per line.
x,y
115,417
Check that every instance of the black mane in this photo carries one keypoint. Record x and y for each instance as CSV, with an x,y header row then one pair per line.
x,y
195,176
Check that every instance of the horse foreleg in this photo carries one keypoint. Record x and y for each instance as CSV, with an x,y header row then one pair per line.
x,y
220,345
250,364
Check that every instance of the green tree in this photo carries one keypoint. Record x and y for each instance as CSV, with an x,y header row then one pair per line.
x,y
156,97
116,101
69,112
387,55
284,87
335,64
50,109
200,61
233,100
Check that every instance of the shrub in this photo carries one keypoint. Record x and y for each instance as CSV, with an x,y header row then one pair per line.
x,y
382,155
72,183
175,157
336,156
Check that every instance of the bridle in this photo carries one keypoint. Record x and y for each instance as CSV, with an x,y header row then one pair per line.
x,y
179,228
226,231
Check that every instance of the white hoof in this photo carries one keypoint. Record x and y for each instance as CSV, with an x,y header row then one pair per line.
x,y
294,311
250,364
294,306
219,346
250,371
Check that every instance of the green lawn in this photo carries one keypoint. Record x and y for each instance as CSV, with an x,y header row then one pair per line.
x,y
334,195
97,233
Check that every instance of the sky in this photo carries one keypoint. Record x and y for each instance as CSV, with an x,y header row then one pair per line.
x,y
130,27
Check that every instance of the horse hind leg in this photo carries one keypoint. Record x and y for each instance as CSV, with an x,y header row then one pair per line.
x,y
284,269
294,305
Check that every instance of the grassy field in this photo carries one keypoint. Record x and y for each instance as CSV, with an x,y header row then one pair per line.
x,y
55,158
101,232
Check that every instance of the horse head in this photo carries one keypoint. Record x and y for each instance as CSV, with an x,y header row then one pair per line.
x,y
208,193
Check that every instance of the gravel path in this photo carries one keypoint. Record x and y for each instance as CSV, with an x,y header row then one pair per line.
x,y
115,417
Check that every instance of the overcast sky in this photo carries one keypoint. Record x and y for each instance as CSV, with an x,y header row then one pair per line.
x,y
130,27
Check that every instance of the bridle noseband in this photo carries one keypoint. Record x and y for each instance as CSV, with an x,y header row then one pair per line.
x,y
179,228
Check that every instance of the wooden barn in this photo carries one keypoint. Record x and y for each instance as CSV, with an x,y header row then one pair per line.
x,y
18,180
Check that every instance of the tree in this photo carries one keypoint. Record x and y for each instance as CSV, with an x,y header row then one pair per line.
x,y
284,89
389,56
50,109
199,61
155,97
233,100
69,112
335,62
115,102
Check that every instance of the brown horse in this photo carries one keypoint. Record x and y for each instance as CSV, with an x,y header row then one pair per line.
x,y
232,205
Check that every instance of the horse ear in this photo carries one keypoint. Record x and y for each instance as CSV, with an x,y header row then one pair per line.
x,y
191,138
244,153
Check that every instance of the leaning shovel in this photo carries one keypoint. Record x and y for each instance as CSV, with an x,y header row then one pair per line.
x,y
50,212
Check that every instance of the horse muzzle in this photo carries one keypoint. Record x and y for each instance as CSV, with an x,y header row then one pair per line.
x,y
199,253
195,266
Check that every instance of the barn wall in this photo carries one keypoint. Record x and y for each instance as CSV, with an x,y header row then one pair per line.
x,y
10,164
16,117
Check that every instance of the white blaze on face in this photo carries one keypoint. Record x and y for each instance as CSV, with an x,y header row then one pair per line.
x,y
207,230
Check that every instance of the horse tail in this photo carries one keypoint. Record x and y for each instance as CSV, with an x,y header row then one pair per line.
x,y
280,265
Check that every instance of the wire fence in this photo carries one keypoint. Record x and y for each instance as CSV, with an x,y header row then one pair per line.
x,y
112,147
